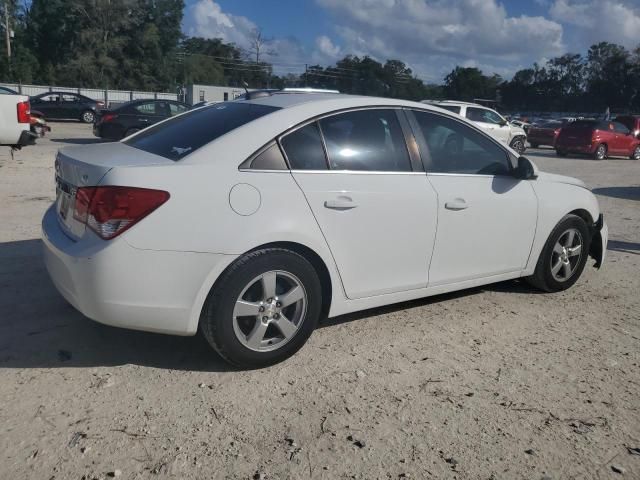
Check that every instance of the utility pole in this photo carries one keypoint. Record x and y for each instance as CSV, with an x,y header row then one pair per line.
x,y
7,31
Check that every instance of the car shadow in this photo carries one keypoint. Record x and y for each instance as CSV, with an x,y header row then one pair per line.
x,y
77,141
624,247
39,329
626,193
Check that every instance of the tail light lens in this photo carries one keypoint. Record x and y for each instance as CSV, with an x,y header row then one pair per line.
x,y
108,117
24,112
109,211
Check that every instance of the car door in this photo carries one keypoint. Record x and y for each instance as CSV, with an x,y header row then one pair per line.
x,y
490,121
48,104
486,217
69,106
369,196
623,140
143,115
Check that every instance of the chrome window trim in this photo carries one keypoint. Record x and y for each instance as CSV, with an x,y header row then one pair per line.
x,y
358,172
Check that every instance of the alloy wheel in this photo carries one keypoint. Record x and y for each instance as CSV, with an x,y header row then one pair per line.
x,y
88,117
601,152
269,311
566,255
518,146
636,153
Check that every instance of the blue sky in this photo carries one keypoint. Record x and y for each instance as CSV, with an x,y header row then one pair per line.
x,y
431,36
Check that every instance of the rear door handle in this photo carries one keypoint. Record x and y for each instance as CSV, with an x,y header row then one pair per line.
x,y
340,203
456,204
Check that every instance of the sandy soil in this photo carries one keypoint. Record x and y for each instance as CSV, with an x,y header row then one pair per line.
x,y
492,383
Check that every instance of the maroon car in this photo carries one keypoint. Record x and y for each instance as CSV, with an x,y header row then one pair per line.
x,y
545,133
598,138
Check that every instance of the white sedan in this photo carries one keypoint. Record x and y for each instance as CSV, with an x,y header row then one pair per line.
x,y
251,220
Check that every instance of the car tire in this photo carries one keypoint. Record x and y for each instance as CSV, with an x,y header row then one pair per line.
x,y
534,145
601,152
561,153
260,284
635,155
88,116
518,145
558,268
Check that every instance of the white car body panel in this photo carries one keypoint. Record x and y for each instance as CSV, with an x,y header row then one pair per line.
x,y
10,129
400,256
402,243
491,236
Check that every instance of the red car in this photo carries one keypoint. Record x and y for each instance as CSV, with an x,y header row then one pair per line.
x,y
598,138
545,133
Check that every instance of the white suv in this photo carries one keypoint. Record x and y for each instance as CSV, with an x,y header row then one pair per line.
x,y
489,120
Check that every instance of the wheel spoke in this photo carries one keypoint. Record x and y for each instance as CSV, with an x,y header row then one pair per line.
x,y
246,309
269,285
570,236
556,268
566,270
255,337
575,250
558,248
285,326
292,296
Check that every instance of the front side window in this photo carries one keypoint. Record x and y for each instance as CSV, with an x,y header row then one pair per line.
x,y
456,148
620,128
484,116
369,140
304,150
180,136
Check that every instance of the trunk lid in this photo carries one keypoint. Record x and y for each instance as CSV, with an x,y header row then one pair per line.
x,y
85,166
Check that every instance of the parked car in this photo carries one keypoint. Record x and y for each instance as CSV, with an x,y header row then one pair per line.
x,y
545,133
632,122
131,117
15,121
8,91
489,120
521,124
249,220
66,106
598,138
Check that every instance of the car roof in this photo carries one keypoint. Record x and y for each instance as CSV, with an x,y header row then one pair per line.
x,y
454,102
333,101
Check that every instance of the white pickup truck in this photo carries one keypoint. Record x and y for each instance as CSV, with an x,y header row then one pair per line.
x,y
15,121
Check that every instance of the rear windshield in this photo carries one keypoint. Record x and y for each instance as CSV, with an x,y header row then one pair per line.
x,y
177,138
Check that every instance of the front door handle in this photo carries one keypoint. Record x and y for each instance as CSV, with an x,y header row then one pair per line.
x,y
340,203
456,204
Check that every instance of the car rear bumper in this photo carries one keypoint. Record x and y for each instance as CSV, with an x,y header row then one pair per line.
x,y
116,284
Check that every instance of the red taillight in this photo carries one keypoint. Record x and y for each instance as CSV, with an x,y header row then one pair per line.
x,y
24,112
109,211
556,132
108,117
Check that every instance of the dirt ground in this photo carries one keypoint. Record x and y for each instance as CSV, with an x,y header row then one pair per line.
x,y
491,383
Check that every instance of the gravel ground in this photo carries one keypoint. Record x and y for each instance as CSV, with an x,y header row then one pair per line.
x,y
498,382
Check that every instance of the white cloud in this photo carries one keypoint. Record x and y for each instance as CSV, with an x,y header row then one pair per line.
x,y
461,28
615,21
327,48
209,21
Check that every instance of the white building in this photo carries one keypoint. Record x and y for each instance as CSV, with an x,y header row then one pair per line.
x,y
211,93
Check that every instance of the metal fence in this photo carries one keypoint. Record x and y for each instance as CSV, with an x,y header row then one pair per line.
x,y
107,96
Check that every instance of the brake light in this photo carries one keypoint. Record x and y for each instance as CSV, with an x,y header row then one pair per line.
x,y
111,210
24,112
108,117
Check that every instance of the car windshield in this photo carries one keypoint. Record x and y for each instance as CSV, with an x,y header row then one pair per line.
x,y
178,137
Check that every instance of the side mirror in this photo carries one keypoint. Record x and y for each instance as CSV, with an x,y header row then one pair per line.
x,y
503,123
525,169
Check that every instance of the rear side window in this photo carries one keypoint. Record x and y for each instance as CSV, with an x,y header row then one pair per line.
x,y
304,150
370,140
145,108
482,115
620,128
180,136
